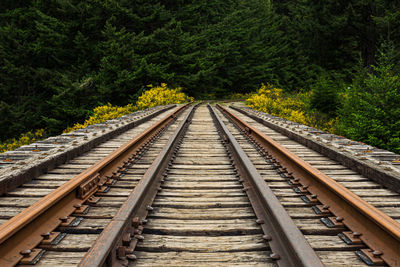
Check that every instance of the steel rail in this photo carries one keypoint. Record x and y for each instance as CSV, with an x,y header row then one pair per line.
x,y
364,168
288,244
367,223
116,243
30,227
10,182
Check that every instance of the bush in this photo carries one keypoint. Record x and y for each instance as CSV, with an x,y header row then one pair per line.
x,y
293,107
161,95
271,100
24,139
371,111
102,114
155,96
324,97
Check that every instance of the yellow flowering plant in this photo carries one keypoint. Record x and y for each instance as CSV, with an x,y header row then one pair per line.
x,y
24,139
154,96
102,114
271,100
161,95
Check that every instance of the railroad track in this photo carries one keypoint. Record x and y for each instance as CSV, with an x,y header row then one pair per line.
x,y
203,186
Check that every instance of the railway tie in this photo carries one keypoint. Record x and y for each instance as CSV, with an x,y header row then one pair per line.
x,y
199,187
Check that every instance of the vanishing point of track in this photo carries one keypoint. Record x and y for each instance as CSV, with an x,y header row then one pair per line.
x,y
200,185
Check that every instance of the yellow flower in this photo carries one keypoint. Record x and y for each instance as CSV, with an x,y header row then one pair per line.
x,y
155,96
272,100
24,139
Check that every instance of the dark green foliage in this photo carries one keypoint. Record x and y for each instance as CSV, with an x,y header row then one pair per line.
x,y
61,58
371,111
324,96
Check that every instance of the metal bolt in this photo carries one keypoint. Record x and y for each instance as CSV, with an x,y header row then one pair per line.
x,y
259,221
357,234
46,235
144,221
139,237
267,237
149,208
325,207
275,256
131,257
77,206
313,196
128,250
26,253
377,253
64,219
339,219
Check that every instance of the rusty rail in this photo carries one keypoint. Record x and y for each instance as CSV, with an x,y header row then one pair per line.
x,y
22,233
376,174
288,245
116,243
368,224
10,182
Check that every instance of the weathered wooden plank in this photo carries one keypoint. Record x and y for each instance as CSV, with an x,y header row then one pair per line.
x,y
203,243
58,258
254,258
73,243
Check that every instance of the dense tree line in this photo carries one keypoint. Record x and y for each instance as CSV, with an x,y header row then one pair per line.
x,y
61,58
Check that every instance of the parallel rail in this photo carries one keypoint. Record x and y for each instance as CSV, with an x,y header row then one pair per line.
x,y
26,230
285,239
288,244
376,229
118,241
115,245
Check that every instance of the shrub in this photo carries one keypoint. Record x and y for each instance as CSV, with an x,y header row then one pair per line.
x,y
161,95
155,96
371,110
293,107
24,139
271,100
324,97
102,114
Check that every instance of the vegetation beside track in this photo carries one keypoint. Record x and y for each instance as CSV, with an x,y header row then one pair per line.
x,y
365,110
212,49
154,96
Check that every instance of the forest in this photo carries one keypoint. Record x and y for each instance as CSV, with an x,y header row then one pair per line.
x,y
340,60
